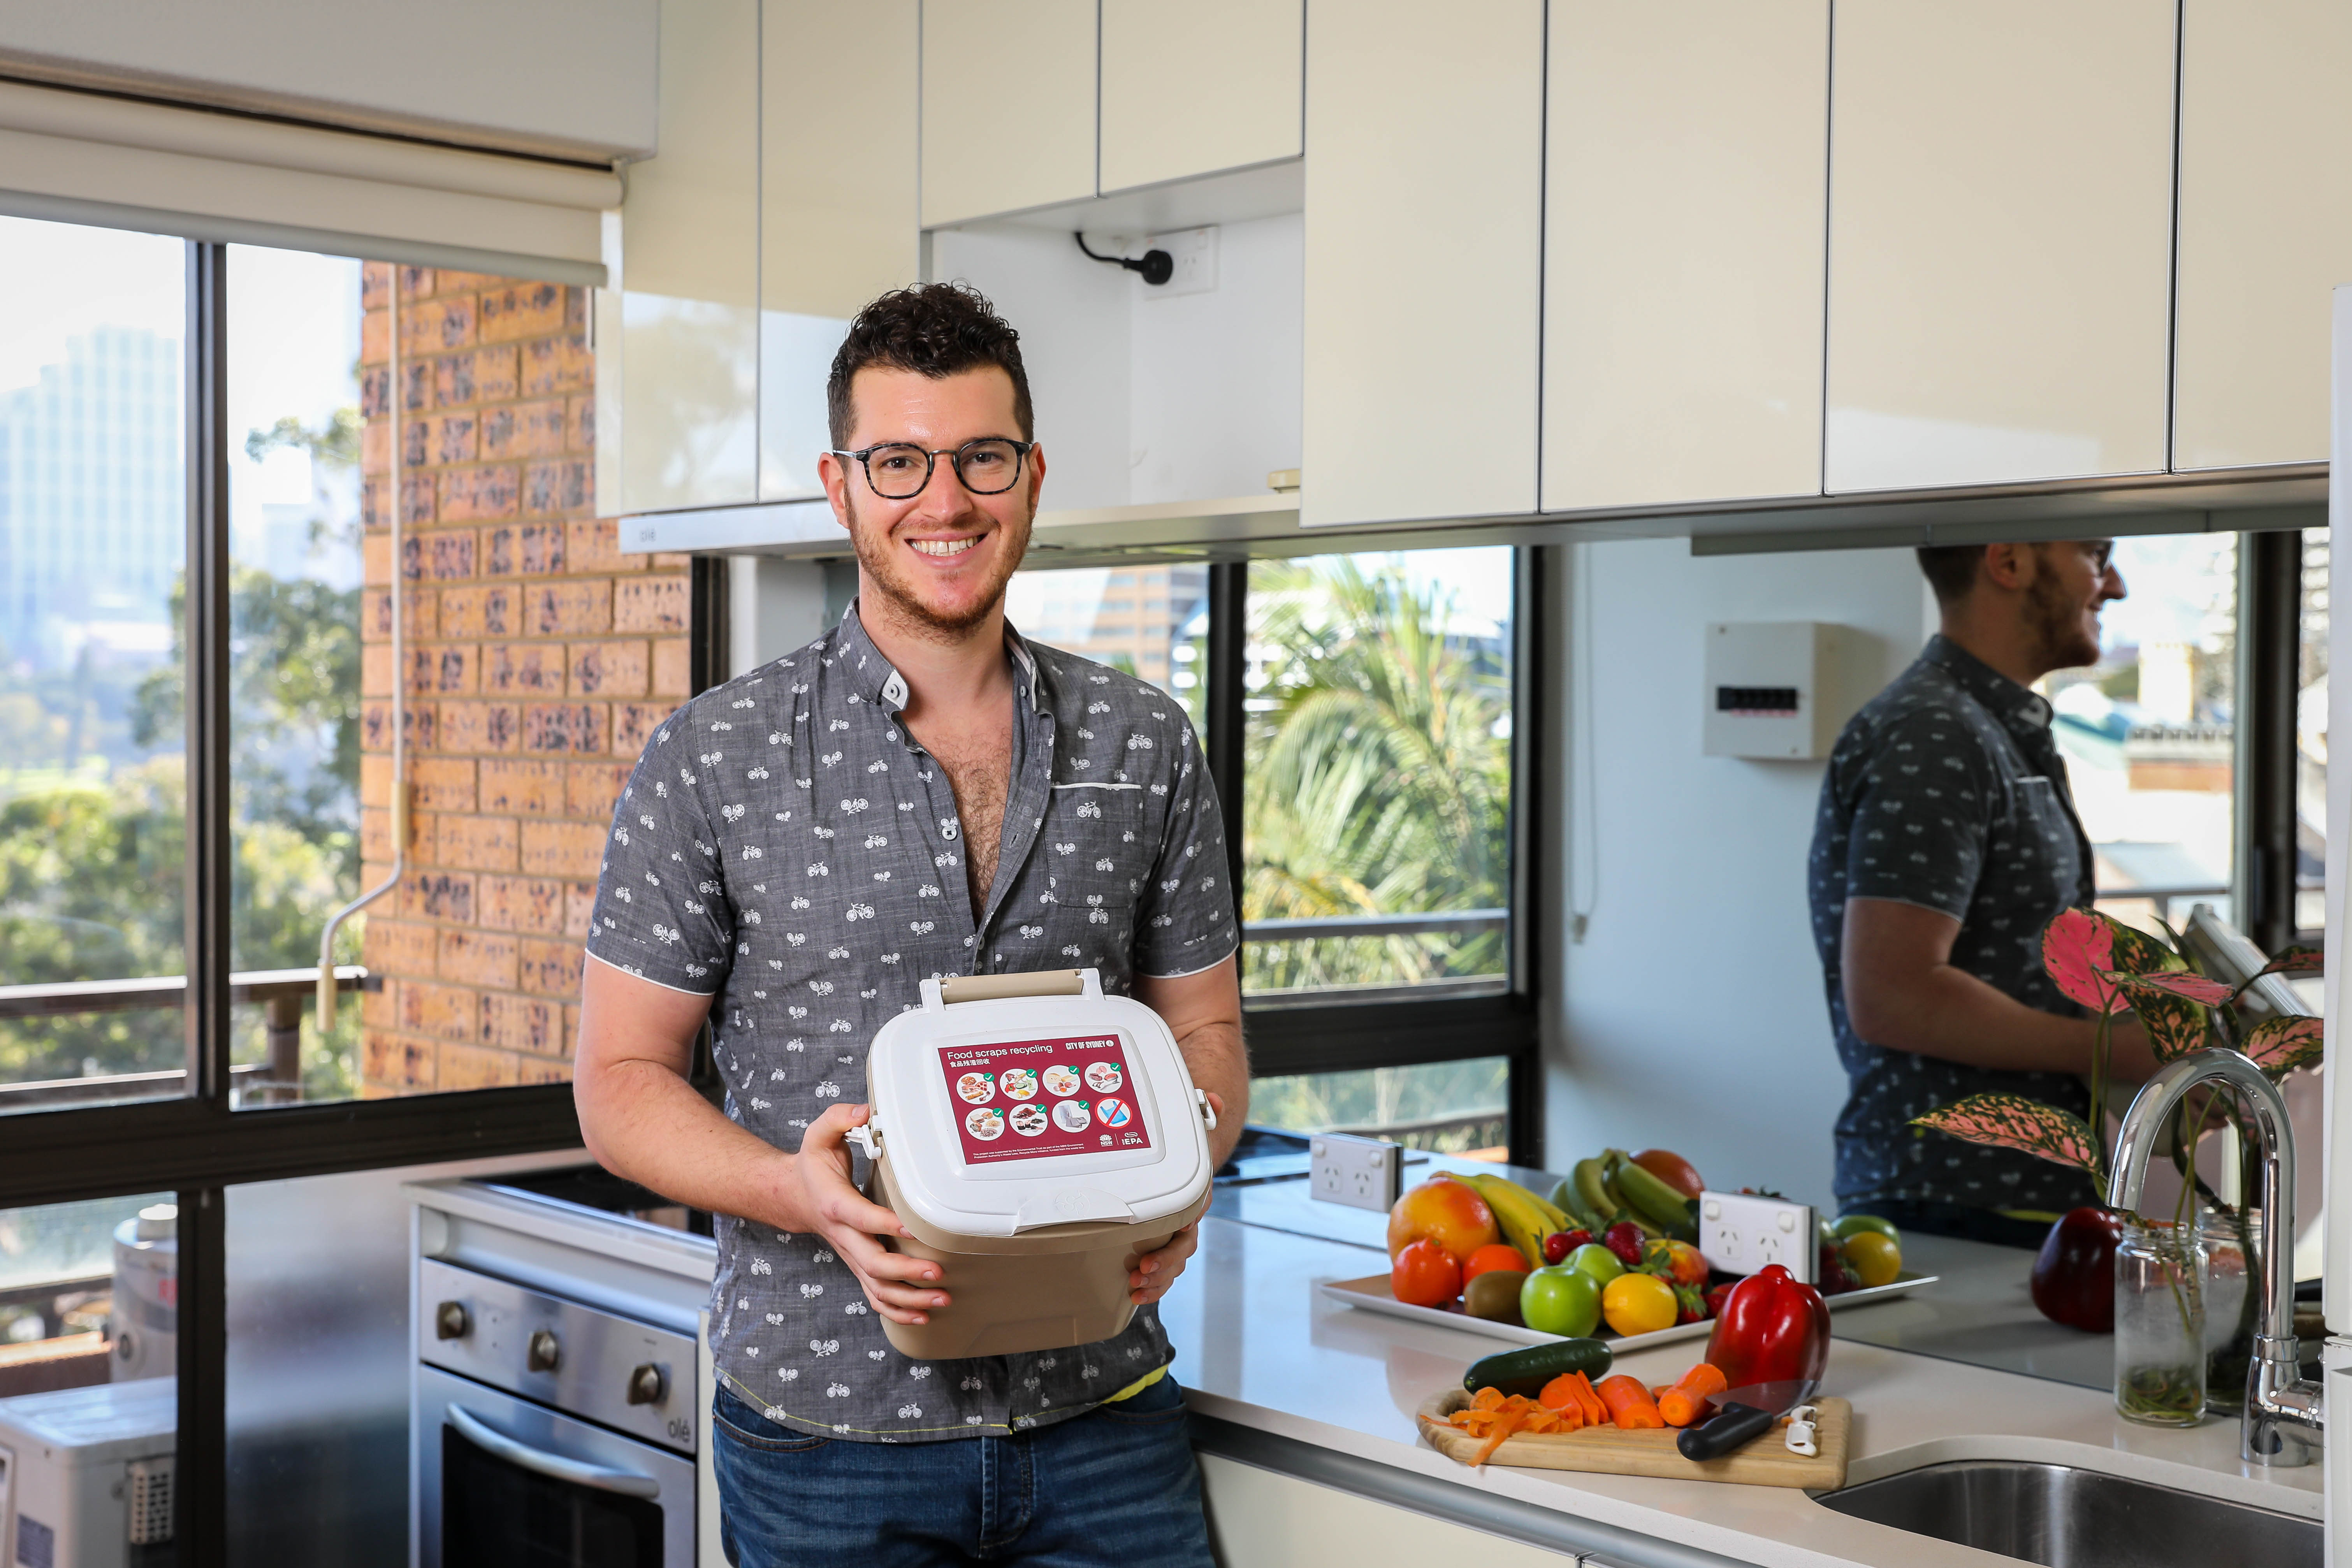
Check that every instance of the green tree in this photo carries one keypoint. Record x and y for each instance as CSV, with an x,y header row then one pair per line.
x,y
1378,771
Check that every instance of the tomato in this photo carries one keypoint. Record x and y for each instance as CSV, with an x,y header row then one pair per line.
x,y
1425,1274
1494,1256
1639,1304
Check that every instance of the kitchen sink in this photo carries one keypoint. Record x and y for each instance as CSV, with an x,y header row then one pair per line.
x,y
2063,1517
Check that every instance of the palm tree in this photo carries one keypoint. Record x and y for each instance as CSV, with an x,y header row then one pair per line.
x,y
1379,769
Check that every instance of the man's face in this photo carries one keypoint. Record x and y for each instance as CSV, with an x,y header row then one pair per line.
x,y
941,558
2072,582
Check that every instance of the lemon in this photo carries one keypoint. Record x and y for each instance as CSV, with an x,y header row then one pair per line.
x,y
1875,1259
1638,1304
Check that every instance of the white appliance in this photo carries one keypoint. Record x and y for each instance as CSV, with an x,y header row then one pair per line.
x,y
146,1317
86,1475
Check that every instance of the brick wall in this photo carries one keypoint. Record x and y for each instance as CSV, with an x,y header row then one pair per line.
x,y
538,659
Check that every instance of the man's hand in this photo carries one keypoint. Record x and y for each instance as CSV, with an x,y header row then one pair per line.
x,y
818,1190
1154,1272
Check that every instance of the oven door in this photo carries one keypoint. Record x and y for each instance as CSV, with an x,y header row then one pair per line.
x,y
505,1483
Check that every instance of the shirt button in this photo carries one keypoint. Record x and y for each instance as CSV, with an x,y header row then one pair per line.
x,y
948,831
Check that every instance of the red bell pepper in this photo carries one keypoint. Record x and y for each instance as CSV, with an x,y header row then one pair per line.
x,y
1773,1328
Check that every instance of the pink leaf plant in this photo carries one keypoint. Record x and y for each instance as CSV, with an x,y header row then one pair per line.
x,y
2014,1121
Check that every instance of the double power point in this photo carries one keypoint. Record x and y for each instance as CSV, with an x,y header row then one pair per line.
x,y
1740,1233
1362,1173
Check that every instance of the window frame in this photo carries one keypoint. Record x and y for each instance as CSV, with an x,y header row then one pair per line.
x,y
1344,1037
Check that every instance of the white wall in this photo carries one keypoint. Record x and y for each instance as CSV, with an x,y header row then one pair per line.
x,y
1690,1016
1143,395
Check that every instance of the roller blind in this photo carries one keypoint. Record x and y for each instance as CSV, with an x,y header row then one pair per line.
x,y
82,157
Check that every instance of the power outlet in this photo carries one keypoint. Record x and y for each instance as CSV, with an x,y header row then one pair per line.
x,y
1362,1173
1194,252
1740,1233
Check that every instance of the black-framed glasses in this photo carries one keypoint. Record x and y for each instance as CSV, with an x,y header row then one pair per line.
x,y
897,470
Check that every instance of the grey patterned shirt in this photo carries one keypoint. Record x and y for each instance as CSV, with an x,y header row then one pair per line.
x,y
1947,791
785,847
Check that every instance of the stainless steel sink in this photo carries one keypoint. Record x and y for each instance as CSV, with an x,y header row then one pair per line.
x,y
2066,1518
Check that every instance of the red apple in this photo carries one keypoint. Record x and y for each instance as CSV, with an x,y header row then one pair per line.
x,y
1444,1211
2075,1273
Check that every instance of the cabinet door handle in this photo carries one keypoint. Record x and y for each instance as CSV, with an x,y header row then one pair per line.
x,y
555,1467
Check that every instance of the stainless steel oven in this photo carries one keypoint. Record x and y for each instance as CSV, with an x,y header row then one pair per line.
x,y
549,1431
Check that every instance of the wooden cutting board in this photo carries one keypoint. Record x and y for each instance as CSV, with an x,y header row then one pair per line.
x,y
1606,1450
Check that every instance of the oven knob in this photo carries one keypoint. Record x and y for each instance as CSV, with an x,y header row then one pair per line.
x,y
546,1351
450,1321
649,1384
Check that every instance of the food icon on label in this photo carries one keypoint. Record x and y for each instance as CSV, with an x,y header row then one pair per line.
x,y
1061,1081
986,1124
1112,1112
1071,1116
1028,1120
1103,1077
978,1088
1019,1083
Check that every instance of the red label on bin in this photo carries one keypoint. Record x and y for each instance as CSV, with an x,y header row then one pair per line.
x,y
1026,1100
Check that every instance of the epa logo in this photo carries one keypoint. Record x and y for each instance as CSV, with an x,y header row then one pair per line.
x,y
1106,1139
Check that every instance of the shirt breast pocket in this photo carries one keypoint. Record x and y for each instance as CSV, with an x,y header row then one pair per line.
x,y
2042,817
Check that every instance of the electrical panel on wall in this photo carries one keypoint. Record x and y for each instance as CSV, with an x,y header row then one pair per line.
x,y
1781,690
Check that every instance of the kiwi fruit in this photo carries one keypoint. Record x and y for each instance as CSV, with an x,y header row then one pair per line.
x,y
1494,1296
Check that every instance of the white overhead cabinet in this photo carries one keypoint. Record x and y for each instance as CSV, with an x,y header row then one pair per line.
x,y
838,193
1193,89
690,308
2265,226
2000,221
1423,270
1008,106
1686,173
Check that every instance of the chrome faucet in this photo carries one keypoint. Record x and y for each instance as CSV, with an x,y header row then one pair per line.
x,y
2285,1414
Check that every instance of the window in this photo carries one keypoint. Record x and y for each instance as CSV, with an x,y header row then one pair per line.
x,y
1090,611
2149,733
2310,741
93,775
1455,1107
82,1285
1377,776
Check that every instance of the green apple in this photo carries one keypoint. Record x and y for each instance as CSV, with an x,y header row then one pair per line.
x,y
1597,1261
1560,1299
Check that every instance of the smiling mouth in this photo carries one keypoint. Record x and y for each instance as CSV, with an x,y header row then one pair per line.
x,y
943,547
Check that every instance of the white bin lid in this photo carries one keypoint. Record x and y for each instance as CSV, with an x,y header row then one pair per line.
x,y
1012,1113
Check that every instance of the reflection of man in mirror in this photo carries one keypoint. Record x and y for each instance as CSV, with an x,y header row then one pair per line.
x,y
1946,840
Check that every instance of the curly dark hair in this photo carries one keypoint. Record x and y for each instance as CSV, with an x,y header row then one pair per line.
x,y
932,329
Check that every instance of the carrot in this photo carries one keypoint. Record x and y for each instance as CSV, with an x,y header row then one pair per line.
x,y
1559,1394
1506,1423
1688,1400
1488,1399
1629,1404
1587,1401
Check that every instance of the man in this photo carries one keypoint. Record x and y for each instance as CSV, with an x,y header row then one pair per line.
x,y
1945,841
918,792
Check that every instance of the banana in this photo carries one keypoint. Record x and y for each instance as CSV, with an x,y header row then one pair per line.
x,y
1612,1165
1594,1192
1516,1211
1655,1202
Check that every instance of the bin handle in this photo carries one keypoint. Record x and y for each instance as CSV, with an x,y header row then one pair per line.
x,y
956,988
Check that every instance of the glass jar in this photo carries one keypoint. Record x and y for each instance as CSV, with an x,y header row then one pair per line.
x,y
2230,1303
2160,1323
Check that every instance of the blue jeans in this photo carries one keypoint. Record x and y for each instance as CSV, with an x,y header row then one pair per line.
x,y
1116,1487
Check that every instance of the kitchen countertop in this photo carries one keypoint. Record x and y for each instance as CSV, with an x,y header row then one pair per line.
x,y
1259,1348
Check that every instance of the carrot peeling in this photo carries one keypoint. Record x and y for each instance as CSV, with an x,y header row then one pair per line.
x,y
1595,1413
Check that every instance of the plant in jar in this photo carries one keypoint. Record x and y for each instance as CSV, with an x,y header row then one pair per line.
x,y
2110,968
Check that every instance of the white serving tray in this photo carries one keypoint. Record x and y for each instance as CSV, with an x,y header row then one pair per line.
x,y
1371,1293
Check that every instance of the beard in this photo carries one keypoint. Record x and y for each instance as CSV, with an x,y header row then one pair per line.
x,y
897,587
2056,617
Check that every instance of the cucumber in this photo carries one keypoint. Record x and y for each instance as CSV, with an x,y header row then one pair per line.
x,y
1527,1371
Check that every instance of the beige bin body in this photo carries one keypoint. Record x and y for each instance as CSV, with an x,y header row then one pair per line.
x,y
1015,1285
1041,1290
